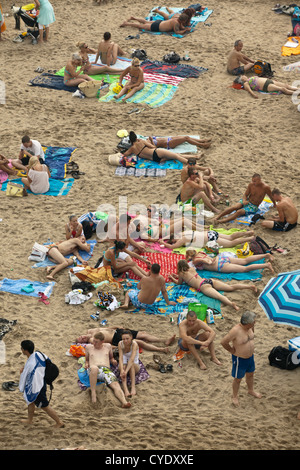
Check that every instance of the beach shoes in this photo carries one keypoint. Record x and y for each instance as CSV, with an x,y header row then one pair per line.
x,y
43,298
10,386
39,70
132,37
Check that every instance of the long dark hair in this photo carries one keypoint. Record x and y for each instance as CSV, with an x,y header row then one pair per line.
x,y
132,137
119,245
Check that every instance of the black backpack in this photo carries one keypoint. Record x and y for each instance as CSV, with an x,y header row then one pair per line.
x,y
263,69
282,358
171,58
51,372
141,54
259,246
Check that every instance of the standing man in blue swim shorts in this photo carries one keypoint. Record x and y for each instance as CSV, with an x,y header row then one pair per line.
x,y
248,205
240,343
238,63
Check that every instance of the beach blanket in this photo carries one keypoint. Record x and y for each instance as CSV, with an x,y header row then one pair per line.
x,y
167,261
3,177
176,70
52,81
16,286
85,256
291,47
57,187
2,22
57,158
5,327
262,209
249,276
138,172
152,16
153,95
32,378
168,164
182,295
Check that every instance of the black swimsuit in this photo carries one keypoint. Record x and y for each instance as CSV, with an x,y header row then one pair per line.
x,y
155,157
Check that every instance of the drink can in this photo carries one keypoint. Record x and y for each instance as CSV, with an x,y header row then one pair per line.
x,y
179,365
227,202
94,316
171,320
103,322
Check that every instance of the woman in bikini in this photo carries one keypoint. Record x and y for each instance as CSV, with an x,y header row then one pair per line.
x,y
72,77
128,361
172,142
134,84
224,263
266,85
90,69
142,148
208,287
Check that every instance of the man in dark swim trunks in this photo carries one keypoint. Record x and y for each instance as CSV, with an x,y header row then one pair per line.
x,y
236,59
287,217
175,25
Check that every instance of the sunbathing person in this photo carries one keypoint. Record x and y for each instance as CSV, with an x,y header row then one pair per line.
x,y
172,142
134,84
108,51
89,68
209,287
248,205
224,263
266,85
194,189
7,166
190,12
120,260
190,237
113,334
287,217
58,251
72,77
176,25
142,148
238,63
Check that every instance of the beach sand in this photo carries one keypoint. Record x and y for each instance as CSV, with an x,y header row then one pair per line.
x,y
187,409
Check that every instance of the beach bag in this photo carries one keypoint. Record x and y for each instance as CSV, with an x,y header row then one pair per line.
x,y
51,372
87,228
89,89
282,358
258,246
15,189
38,252
141,54
115,159
263,69
77,350
171,58
244,252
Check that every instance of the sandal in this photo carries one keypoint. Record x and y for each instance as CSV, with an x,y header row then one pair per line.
x,y
9,386
72,166
157,359
75,175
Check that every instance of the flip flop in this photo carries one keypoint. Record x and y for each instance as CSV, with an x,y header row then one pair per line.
x,y
169,368
162,369
157,359
43,298
75,175
39,70
8,387
134,110
72,166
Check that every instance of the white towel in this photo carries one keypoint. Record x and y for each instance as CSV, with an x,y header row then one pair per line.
x,y
32,378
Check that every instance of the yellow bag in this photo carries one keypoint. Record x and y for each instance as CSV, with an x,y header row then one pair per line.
x,y
244,252
16,190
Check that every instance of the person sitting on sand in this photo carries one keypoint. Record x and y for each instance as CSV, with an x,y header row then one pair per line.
x,y
236,58
192,339
89,68
208,287
190,237
177,25
72,77
113,335
225,263
248,205
208,175
147,290
142,148
287,217
6,166
108,51
265,85
128,361
98,357
172,142
37,179
240,343
58,251
74,228
194,188
29,148
134,84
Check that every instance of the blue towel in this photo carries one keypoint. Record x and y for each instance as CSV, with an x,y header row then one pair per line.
x,y
249,276
169,164
57,187
55,82
15,286
56,158
84,254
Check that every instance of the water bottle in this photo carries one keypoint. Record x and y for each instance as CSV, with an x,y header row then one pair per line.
x,y
2,352
209,316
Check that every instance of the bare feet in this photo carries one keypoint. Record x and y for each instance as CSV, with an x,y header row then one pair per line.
x,y
270,267
27,422
124,306
254,394
234,305
235,401
216,361
126,405
255,290
202,365
170,340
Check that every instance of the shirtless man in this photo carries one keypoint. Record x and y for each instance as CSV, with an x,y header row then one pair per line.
x,y
195,188
240,343
113,334
108,51
287,217
57,253
236,58
176,25
191,340
98,357
147,290
208,175
253,197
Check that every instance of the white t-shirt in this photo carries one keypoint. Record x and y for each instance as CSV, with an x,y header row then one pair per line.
x,y
35,149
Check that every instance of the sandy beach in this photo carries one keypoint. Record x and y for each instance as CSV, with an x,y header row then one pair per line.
x,y
187,409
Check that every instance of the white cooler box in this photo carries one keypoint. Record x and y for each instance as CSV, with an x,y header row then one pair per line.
x,y
294,344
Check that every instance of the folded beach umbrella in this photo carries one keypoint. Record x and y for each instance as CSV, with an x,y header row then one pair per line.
x,y
280,298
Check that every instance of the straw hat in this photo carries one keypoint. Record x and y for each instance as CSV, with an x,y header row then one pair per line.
x,y
90,88
115,159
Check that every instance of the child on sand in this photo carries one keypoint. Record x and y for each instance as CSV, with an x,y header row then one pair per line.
x,y
128,361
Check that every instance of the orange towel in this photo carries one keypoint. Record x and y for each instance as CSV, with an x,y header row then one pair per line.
x,y
2,23
287,51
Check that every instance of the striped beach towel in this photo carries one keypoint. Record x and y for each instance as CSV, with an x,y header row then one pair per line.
x,y
153,95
